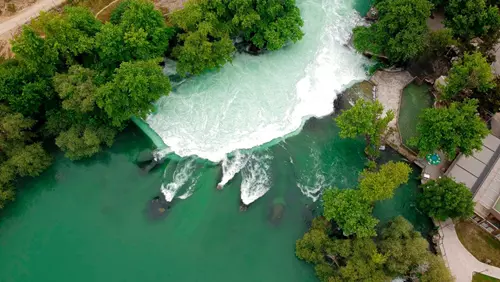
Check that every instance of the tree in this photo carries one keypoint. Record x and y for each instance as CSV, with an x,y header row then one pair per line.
x,y
137,31
350,211
451,129
30,160
205,37
380,185
70,33
35,52
269,24
132,90
472,18
444,198
439,41
314,244
76,89
436,270
365,118
84,141
400,33
404,248
470,74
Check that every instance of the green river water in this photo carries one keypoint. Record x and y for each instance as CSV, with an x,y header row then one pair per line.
x,y
91,220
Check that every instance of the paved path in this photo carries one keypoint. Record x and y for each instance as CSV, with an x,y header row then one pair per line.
x,y
10,25
461,263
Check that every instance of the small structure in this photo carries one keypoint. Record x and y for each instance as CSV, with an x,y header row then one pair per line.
x,y
481,174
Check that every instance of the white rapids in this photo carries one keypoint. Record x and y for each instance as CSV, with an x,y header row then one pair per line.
x,y
257,99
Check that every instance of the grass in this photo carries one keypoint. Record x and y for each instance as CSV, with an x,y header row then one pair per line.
x,y
479,243
478,277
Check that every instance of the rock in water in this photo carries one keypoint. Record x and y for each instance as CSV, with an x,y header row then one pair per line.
x,y
158,207
145,156
277,212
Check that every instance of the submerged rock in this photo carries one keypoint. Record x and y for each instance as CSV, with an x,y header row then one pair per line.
x,y
158,207
145,156
243,206
277,210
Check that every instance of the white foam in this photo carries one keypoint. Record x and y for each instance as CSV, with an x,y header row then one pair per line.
x,y
231,166
312,185
256,179
183,172
260,98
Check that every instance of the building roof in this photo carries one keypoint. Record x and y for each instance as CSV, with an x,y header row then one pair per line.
x,y
480,173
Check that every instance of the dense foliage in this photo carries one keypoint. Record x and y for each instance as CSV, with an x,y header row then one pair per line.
x,y
77,81
380,185
400,33
444,198
367,119
450,129
399,251
468,75
208,27
472,18
351,209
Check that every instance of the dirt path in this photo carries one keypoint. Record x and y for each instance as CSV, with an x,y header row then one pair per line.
x,y
7,27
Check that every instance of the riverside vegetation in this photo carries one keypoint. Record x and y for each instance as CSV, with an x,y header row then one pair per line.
x,y
76,81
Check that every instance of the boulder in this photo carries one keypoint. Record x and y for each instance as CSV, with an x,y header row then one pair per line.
x,y
372,14
440,83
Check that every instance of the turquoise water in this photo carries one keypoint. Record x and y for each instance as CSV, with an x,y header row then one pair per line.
x,y
96,220
415,99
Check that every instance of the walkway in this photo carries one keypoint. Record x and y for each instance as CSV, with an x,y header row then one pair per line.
x,y
389,87
461,263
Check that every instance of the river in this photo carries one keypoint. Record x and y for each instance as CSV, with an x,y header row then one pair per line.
x,y
94,220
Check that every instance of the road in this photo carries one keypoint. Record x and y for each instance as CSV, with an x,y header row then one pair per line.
x,y
9,26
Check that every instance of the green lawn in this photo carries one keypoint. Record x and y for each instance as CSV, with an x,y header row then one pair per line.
x,y
480,243
478,277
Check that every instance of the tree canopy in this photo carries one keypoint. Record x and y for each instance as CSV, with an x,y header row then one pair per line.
x,y
367,119
444,198
133,88
470,74
399,251
208,27
400,33
472,18
348,209
451,129
380,185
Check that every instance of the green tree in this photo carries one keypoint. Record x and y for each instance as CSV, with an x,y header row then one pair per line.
x,y
205,41
444,198
472,18
348,209
451,129
70,33
439,41
380,185
35,52
19,156
404,248
267,24
468,75
80,142
76,88
137,31
436,270
132,90
367,119
313,246
400,33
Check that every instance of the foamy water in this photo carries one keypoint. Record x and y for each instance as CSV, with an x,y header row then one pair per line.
x,y
257,99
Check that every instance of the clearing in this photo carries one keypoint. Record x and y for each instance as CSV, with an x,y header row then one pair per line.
x,y
479,243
